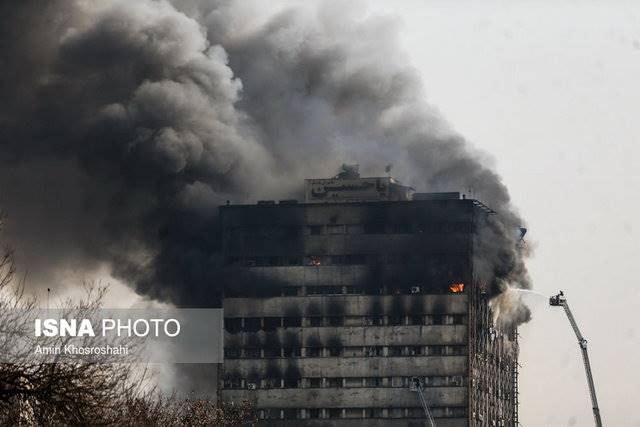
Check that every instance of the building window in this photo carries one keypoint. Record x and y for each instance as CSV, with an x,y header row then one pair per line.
x,y
353,352
291,352
291,382
252,324
415,413
255,324
353,321
396,413
354,382
314,382
231,353
374,320
325,290
435,381
334,413
353,413
395,351
337,260
335,229
404,228
312,352
272,383
292,322
355,229
290,414
435,350
373,382
417,320
438,412
315,230
290,291
314,321
335,351
313,260
334,383
271,352
457,412
459,319
295,261
232,325
314,290
313,413
356,259
335,321
232,383
373,351
415,350
252,353
456,350
394,259
374,413
374,228
270,414
456,381
272,323
396,320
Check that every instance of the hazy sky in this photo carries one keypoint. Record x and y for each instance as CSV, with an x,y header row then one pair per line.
x,y
552,91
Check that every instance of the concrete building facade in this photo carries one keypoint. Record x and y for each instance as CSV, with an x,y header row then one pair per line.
x,y
332,306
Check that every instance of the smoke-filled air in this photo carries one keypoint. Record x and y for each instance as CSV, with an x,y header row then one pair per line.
x,y
124,125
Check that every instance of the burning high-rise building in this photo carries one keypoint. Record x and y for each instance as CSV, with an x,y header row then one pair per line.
x,y
335,307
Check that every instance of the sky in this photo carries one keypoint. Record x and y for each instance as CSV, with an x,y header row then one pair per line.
x,y
551,90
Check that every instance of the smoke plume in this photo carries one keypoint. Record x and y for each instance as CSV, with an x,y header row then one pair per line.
x,y
126,124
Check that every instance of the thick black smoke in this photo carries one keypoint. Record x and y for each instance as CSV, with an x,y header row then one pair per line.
x,y
125,124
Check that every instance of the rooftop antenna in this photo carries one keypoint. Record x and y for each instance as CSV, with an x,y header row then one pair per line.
x,y
470,192
48,292
349,171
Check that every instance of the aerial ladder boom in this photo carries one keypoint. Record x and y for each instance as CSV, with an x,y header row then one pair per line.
x,y
560,301
416,385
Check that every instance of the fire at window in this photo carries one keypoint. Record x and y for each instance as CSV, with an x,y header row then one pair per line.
x,y
315,261
457,288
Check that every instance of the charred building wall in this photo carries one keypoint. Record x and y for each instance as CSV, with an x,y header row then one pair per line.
x,y
331,309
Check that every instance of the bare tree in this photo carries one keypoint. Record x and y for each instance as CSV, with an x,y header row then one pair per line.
x,y
156,410
33,392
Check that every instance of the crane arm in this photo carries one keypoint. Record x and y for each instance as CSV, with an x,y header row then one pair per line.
x,y
574,325
417,386
560,300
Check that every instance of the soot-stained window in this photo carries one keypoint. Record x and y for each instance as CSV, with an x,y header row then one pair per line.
x,y
272,323
292,322
315,230
252,324
335,229
292,352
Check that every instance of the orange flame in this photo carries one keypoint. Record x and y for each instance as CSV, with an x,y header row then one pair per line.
x,y
456,288
315,261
